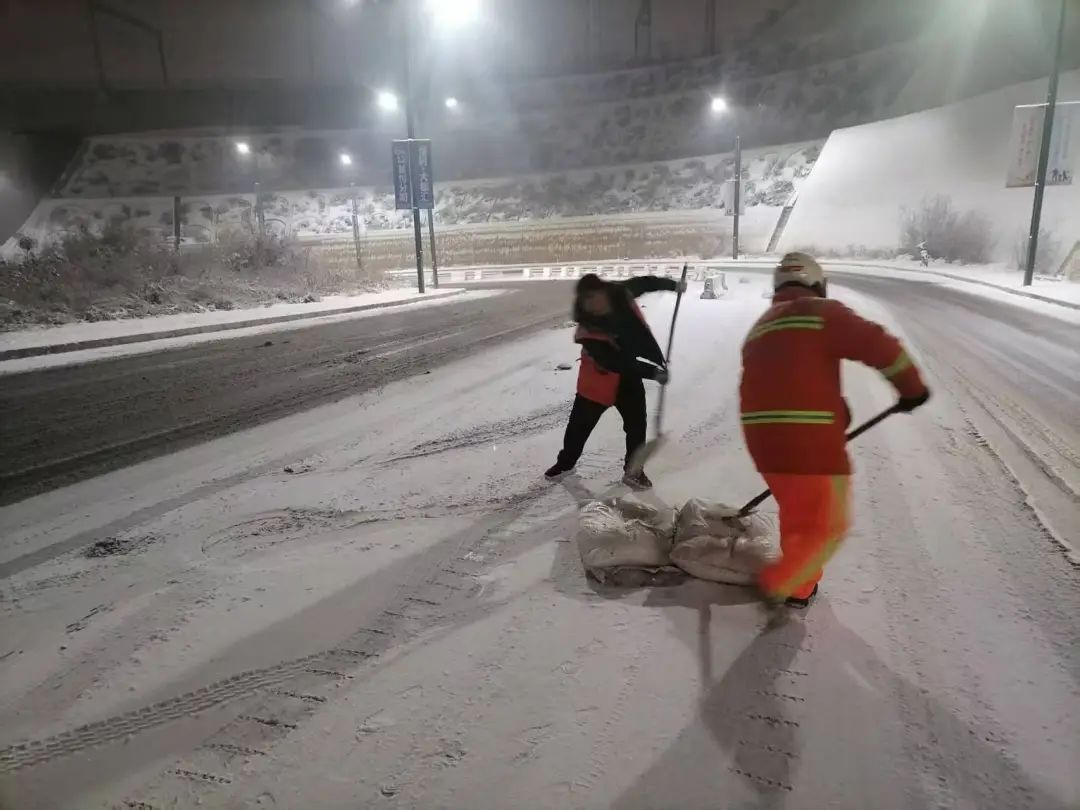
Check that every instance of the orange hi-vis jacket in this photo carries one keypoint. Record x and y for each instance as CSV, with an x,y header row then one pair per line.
x,y
595,382
793,412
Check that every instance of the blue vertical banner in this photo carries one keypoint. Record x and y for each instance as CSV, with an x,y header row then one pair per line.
x,y
423,182
402,178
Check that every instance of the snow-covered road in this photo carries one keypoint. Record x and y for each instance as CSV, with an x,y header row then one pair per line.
x,y
400,620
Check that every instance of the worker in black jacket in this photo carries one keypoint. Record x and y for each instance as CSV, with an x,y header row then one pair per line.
x,y
618,351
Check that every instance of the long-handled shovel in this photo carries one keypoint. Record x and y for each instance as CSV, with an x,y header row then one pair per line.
x,y
647,450
860,430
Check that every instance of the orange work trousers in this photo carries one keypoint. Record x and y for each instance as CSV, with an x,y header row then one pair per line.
x,y
814,513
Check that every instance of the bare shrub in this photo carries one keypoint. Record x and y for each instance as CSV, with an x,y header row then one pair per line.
x,y
1049,253
119,273
850,251
948,234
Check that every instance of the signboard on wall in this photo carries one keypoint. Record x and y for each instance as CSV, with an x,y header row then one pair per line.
x,y
414,182
1026,141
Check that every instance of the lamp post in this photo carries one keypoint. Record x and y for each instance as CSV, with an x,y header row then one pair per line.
x,y
346,161
719,106
1044,153
451,104
407,20
446,14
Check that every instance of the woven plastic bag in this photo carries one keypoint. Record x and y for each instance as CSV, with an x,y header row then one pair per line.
x,y
624,541
712,542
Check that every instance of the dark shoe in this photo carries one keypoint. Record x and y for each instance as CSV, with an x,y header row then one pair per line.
x,y
796,602
555,470
637,480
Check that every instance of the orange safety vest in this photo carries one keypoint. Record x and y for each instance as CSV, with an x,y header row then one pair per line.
x,y
793,413
594,382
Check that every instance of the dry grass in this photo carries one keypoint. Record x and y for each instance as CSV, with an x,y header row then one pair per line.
x,y
545,244
119,274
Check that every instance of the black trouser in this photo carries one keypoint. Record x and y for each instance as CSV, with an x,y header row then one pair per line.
x,y
630,403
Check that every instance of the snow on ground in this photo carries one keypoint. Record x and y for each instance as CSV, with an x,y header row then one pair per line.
x,y
473,666
81,356
998,276
996,284
131,327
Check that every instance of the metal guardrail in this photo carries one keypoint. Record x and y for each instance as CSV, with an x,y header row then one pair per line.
x,y
700,270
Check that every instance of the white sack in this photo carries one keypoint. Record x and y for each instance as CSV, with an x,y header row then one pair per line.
x,y
712,543
624,540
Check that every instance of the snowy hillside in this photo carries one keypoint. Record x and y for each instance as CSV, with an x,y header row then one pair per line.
x,y
866,174
783,108
770,177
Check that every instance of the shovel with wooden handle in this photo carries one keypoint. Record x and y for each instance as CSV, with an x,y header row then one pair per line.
x,y
647,450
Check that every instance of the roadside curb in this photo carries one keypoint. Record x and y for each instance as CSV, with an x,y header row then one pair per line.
x,y
145,337
625,269
954,277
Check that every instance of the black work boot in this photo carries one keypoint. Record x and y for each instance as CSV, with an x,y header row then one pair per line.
x,y
800,603
555,470
636,480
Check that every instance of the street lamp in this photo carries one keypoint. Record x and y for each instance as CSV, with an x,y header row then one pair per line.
x,y
719,106
444,15
243,148
387,101
345,158
454,13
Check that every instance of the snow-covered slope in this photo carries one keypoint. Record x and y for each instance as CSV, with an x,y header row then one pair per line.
x,y
865,174
771,175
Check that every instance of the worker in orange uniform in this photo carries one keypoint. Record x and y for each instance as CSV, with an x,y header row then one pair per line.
x,y
794,416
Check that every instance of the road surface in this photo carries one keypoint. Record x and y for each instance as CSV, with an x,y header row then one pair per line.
x,y
62,425
377,602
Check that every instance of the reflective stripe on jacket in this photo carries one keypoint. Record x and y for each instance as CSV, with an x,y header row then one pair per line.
x,y
793,413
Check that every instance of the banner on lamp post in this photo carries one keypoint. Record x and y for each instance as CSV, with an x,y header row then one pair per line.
x,y
1026,140
414,183
727,199
402,175
423,182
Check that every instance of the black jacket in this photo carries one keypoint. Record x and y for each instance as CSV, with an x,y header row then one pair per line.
x,y
633,339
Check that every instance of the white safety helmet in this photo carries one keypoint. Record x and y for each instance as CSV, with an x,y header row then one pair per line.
x,y
798,268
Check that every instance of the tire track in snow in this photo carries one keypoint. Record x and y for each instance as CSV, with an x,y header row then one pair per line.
x,y
603,743
459,561
535,422
453,601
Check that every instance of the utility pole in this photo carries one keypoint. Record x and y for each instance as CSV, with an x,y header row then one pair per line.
x,y
736,198
431,241
177,208
1044,152
710,27
410,128
643,25
356,228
